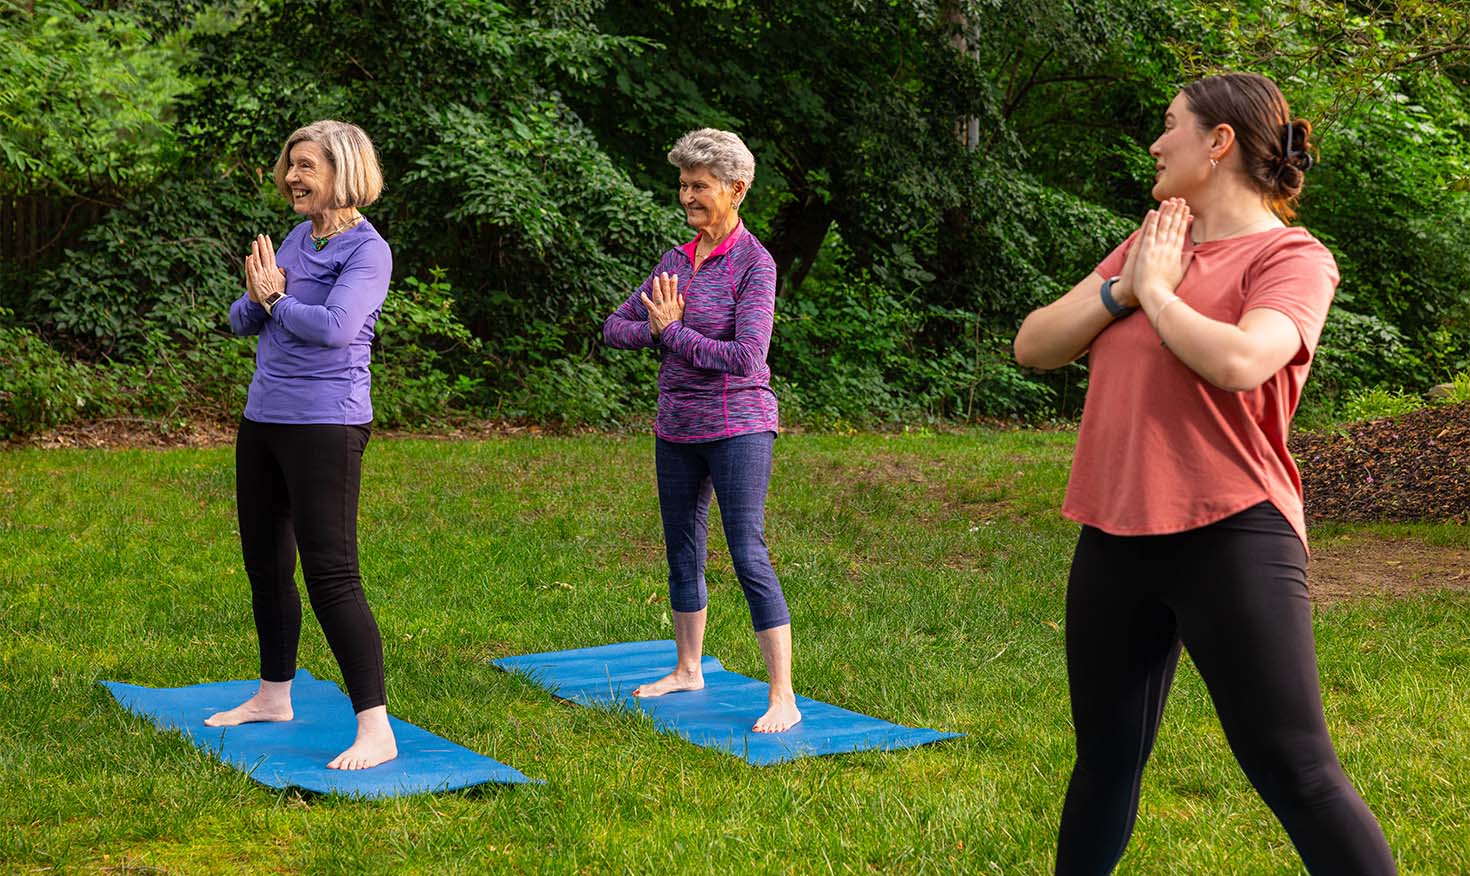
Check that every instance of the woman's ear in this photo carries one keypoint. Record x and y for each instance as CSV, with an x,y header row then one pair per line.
x,y
1222,140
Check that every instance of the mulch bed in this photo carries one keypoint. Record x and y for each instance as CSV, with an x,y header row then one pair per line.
x,y
1412,467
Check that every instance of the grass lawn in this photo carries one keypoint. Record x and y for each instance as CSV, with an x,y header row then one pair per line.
x,y
925,574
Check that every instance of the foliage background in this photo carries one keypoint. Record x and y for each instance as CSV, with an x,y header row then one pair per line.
x,y
928,171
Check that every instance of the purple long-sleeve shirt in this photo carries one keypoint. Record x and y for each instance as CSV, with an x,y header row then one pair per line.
x,y
713,382
311,365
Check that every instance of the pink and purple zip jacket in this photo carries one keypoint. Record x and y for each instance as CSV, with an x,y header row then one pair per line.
x,y
714,382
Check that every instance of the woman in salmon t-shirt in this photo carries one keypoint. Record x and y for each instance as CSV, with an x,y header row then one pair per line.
x,y
1199,331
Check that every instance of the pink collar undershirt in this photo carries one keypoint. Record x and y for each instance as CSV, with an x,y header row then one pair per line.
x,y
724,247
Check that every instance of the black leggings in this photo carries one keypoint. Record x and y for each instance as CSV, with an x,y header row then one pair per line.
x,y
296,487
1235,594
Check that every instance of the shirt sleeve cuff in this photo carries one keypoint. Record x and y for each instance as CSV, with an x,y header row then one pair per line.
x,y
666,336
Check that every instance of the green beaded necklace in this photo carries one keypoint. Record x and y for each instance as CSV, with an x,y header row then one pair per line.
x,y
318,242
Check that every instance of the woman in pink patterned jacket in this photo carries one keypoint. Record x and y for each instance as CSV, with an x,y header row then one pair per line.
x,y
708,308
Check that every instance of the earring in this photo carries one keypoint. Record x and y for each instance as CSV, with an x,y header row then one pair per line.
x,y
1214,164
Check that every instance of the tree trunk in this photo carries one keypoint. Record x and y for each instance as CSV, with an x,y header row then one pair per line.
x,y
797,232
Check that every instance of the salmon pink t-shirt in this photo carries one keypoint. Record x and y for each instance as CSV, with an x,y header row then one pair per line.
x,y
1160,449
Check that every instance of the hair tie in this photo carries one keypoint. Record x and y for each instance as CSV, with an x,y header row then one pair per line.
x,y
1307,160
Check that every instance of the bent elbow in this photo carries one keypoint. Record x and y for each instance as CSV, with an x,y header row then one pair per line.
x,y
1022,352
338,337
1238,375
1028,354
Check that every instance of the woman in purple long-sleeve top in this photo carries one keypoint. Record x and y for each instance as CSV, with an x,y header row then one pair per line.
x,y
298,457
717,417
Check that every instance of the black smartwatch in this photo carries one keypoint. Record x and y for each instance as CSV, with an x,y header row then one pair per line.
x,y
270,301
1105,292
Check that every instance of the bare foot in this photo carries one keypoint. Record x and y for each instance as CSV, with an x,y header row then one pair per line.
x,y
782,715
272,702
374,743
679,679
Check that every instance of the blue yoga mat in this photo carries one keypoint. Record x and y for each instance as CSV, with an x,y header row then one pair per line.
x,y
721,715
294,754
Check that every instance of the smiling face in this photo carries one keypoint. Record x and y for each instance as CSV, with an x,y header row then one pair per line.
x,y
1181,153
707,202
310,179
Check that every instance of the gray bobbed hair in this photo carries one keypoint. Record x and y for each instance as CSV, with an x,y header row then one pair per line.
x,y
721,152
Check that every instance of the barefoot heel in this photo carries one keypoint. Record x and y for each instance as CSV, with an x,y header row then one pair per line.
x,y
294,754
720,716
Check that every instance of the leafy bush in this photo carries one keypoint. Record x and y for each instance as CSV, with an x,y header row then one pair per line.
x,y
88,99
1373,404
1357,352
42,388
164,266
417,334
582,393
1459,390
39,387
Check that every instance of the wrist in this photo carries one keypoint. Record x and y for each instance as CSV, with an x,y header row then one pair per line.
x,y
1163,305
1117,309
1152,295
1123,293
269,301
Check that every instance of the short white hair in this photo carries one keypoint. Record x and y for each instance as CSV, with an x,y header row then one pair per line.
x,y
720,152
351,154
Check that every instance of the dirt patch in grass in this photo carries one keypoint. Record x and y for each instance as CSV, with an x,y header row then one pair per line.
x,y
1355,566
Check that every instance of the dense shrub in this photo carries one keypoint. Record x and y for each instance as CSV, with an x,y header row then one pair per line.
x,y
165,265
421,354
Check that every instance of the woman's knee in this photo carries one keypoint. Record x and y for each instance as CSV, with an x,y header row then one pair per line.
x,y
687,596
1301,772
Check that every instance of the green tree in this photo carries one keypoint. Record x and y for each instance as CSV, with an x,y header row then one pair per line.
x,y
87,99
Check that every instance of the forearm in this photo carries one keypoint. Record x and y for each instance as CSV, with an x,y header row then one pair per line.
x,y
1060,332
324,325
1228,356
741,357
626,333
